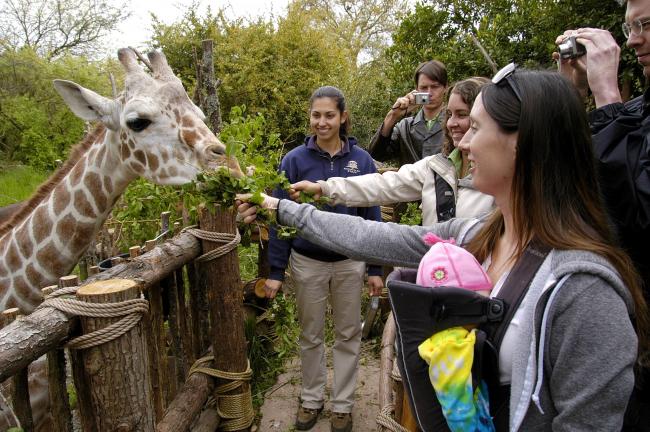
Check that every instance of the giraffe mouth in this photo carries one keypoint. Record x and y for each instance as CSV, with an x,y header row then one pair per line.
x,y
225,162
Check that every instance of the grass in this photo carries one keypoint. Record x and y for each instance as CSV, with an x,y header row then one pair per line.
x,y
18,182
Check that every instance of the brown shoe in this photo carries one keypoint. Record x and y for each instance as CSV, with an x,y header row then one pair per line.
x,y
341,422
306,418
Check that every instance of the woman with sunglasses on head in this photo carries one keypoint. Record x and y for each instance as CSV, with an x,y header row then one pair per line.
x,y
568,354
441,181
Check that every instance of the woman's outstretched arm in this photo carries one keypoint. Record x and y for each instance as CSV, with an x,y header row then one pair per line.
x,y
360,239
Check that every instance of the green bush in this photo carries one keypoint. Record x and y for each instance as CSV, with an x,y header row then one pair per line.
x,y
18,182
36,126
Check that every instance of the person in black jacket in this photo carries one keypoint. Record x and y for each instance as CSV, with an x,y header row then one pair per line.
x,y
620,133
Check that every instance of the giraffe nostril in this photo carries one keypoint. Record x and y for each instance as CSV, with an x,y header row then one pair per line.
x,y
214,151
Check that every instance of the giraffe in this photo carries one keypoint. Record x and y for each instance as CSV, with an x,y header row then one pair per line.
x,y
152,130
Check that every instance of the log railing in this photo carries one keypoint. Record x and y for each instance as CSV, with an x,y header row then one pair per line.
x,y
139,381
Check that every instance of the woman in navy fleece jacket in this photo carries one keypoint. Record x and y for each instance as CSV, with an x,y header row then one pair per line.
x,y
318,272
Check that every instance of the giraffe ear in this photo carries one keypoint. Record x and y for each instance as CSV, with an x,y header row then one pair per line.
x,y
88,105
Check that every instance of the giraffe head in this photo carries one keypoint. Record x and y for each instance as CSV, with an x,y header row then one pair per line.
x,y
157,131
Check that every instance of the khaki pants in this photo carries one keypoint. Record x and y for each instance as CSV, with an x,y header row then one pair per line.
x,y
314,280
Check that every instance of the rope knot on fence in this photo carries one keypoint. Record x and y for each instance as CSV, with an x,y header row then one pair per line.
x,y
230,242
130,311
386,421
235,409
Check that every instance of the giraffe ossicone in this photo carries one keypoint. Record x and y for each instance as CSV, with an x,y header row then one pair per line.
x,y
152,130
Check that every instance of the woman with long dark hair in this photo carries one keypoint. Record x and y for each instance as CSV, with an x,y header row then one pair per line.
x,y
567,356
318,273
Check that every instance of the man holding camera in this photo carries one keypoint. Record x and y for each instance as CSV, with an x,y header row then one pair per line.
x,y
620,137
410,139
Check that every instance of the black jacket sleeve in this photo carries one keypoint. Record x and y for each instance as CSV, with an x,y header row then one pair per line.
x,y
620,139
383,148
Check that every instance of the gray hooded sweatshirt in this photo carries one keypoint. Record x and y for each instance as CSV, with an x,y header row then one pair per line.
x,y
573,368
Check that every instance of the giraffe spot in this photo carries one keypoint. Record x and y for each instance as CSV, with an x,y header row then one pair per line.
x,y
3,271
37,279
165,157
189,137
24,242
108,184
82,205
100,155
77,171
49,257
61,198
177,115
11,303
123,136
152,161
82,237
94,185
25,292
12,257
125,151
172,171
41,223
188,122
136,167
90,156
65,228
139,155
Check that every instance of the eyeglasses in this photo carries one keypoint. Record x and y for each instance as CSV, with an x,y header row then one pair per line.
x,y
635,28
505,74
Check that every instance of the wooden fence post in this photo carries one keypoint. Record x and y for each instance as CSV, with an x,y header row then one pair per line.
x,y
222,282
60,405
19,390
210,85
118,370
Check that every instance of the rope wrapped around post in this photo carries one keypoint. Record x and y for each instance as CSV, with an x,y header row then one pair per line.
x,y
231,241
235,409
386,421
130,310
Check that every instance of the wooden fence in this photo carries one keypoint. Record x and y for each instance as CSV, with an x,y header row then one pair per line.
x,y
149,377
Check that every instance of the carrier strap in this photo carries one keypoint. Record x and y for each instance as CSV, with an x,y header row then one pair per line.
x,y
515,288
445,199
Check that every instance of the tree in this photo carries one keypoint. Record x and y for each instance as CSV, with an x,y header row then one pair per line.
x,y
36,126
270,68
362,27
52,27
523,31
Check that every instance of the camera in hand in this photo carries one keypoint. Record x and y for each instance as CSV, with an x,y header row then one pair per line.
x,y
421,98
571,48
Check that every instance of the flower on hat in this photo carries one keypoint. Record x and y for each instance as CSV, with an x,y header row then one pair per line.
x,y
439,275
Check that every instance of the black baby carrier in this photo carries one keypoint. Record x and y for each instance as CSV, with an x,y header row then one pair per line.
x,y
420,312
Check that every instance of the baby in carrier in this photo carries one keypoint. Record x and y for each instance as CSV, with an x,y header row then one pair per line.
x,y
450,353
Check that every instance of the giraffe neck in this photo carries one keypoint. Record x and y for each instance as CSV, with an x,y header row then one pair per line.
x,y
53,233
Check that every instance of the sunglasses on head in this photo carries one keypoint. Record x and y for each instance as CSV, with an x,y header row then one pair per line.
x,y
505,75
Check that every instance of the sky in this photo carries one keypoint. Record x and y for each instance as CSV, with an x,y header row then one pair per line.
x,y
137,29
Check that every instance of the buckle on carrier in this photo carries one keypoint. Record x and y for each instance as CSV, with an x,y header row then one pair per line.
x,y
495,309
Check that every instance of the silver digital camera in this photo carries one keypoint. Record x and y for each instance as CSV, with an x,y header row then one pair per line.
x,y
421,98
571,48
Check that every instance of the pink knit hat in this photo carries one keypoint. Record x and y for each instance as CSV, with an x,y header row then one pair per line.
x,y
446,264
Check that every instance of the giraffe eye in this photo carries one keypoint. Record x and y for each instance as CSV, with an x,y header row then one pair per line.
x,y
138,124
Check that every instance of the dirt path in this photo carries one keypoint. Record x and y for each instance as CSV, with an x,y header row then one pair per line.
x,y
281,401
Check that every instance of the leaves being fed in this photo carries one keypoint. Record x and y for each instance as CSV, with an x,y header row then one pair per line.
x,y
308,198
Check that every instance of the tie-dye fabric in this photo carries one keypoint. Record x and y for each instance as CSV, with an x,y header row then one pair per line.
x,y
450,354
